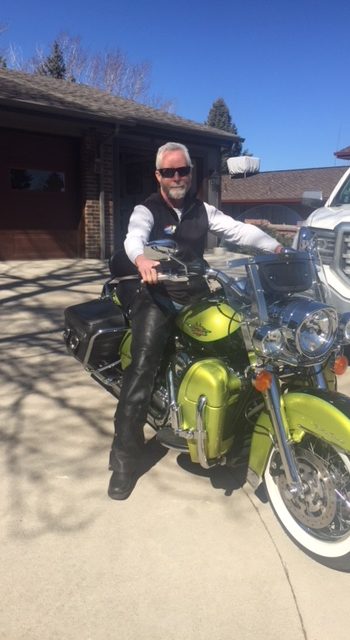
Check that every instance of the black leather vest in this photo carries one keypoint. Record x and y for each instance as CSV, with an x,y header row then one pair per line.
x,y
191,230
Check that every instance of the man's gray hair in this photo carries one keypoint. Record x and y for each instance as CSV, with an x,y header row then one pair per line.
x,y
172,146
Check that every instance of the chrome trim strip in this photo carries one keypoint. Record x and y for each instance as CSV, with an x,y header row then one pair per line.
x,y
201,436
174,407
93,338
201,433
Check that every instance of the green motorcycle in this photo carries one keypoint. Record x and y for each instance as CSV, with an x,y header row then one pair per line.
x,y
249,378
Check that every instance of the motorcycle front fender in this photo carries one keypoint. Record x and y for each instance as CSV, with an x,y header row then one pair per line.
x,y
325,414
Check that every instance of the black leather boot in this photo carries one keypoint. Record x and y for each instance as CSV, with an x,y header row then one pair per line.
x,y
121,485
124,476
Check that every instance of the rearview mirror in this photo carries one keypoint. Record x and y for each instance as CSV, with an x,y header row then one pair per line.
x,y
313,199
161,250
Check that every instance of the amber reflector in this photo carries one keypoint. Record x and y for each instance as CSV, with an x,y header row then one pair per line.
x,y
340,365
263,381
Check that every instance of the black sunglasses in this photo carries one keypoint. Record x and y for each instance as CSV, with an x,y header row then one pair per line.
x,y
169,173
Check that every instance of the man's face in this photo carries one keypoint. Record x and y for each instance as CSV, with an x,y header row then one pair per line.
x,y
176,186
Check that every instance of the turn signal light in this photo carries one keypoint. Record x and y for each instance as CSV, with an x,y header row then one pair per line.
x,y
263,381
340,365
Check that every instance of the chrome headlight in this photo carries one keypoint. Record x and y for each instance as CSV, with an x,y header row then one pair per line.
x,y
344,328
268,341
311,327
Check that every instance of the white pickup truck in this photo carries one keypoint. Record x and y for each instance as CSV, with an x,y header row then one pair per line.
x,y
331,225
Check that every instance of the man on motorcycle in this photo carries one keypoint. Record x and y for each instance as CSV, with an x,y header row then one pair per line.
x,y
170,213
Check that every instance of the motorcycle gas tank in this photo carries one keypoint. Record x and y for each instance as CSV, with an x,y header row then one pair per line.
x,y
208,321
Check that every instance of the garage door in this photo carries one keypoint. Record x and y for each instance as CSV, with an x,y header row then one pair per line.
x,y
39,196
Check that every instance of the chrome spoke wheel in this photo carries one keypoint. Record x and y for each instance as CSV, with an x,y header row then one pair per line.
x,y
325,506
318,519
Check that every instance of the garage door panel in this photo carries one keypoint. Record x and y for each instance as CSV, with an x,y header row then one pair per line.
x,y
36,245
40,195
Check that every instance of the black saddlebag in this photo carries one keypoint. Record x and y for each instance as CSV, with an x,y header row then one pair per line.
x,y
93,332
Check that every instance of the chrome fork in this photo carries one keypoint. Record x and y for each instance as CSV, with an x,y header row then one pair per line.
x,y
273,403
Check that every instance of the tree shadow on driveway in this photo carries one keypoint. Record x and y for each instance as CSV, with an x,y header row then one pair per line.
x,y
56,424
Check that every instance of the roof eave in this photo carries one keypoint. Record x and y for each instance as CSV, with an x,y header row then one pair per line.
x,y
224,138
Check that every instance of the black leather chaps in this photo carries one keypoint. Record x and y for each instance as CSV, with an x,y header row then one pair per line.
x,y
151,326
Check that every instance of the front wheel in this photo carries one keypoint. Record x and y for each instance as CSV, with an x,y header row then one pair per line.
x,y
319,519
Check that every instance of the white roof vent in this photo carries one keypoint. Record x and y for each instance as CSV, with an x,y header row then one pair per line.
x,y
243,165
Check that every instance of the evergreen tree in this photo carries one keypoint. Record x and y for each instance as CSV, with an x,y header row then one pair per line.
x,y
220,118
54,64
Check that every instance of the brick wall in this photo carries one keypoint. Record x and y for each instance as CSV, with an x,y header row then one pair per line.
x,y
97,175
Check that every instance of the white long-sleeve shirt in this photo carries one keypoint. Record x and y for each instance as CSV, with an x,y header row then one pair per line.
x,y
240,233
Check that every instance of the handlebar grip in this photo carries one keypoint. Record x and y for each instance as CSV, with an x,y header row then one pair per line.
x,y
172,278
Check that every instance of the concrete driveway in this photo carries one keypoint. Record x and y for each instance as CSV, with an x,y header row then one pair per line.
x,y
191,555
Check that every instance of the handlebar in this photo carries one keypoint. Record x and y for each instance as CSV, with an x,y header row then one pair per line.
x,y
209,273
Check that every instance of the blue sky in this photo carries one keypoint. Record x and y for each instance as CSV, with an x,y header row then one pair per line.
x,y
282,66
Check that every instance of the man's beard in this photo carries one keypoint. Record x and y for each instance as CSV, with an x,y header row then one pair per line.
x,y
177,193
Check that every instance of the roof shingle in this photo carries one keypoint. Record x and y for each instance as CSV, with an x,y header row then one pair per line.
x,y
44,93
274,186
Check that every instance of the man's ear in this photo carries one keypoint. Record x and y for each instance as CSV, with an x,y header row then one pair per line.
x,y
157,174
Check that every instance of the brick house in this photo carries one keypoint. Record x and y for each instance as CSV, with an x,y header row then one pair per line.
x,y
276,196
74,161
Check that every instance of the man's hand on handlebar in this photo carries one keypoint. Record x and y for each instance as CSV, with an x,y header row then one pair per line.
x,y
147,269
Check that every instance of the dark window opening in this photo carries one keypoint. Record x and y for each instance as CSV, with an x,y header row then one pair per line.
x,y
37,180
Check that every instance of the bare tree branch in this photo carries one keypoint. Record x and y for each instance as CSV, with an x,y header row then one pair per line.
x,y
110,71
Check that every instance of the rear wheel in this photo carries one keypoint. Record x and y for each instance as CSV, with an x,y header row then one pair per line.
x,y
319,520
